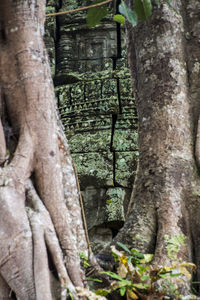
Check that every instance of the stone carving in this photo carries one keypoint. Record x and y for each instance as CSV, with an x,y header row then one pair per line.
x,y
97,109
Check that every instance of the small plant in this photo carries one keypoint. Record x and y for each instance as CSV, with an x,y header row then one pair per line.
x,y
136,278
84,260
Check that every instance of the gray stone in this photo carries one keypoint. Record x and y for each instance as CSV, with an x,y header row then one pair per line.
x,y
125,168
94,203
86,142
94,168
97,109
100,237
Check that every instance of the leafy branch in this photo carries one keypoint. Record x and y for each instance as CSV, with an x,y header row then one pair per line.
x,y
137,277
78,9
142,10
98,10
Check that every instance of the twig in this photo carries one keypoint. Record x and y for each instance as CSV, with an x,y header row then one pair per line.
x,y
83,212
78,9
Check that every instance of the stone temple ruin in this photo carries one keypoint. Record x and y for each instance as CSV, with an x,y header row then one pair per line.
x,y
92,83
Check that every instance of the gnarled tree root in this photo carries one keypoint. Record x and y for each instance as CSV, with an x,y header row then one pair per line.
x,y
41,155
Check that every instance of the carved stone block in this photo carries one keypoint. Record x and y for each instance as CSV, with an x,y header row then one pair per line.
x,y
94,168
86,142
97,109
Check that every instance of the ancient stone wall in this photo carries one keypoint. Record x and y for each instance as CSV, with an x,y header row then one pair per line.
x,y
90,72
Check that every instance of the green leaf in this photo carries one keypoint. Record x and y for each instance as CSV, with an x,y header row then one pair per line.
x,y
143,9
136,253
115,257
70,295
123,282
142,268
163,275
84,260
119,19
113,275
128,13
144,277
174,274
102,292
141,286
147,258
96,14
93,279
124,247
122,291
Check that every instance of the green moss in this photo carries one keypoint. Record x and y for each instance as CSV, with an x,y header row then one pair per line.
x,y
125,168
174,244
115,207
97,165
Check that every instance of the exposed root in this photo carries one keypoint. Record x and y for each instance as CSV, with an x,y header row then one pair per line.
x,y
5,291
16,244
44,236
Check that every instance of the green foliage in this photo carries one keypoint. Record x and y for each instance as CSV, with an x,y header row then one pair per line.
x,y
84,260
143,9
96,14
135,277
157,2
196,194
119,18
124,247
129,14
93,279
70,295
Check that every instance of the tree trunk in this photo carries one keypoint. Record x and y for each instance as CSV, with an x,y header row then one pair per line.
x,y
164,57
39,203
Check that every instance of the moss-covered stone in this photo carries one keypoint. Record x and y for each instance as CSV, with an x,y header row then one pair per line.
x,y
125,168
125,140
94,167
97,109
115,204
86,142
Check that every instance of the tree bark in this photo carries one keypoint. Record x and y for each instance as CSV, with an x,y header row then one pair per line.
x,y
164,57
39,203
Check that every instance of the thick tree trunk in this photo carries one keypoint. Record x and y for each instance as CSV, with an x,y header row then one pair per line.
x,y
164,56
37,184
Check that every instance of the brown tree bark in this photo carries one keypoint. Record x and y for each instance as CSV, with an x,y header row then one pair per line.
x,y
164,57
39,203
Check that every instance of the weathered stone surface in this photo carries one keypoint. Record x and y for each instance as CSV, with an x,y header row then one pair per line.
x,y
98,112
90,48
125,140
115,205
94,168
125,168
100,237
86,142
105,212
94,203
